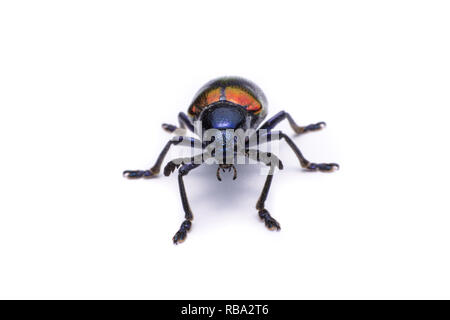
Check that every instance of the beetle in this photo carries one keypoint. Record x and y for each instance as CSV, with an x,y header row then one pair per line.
x,y
222,105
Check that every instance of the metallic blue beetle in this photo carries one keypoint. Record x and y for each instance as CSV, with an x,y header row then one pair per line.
x,y
224,106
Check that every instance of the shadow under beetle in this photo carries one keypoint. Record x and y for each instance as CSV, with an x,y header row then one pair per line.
x,y
224,104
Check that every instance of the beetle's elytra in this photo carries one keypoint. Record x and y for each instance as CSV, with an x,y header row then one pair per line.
x,y
224,105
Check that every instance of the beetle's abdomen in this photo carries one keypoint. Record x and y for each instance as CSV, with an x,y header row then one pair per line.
x,y
236,90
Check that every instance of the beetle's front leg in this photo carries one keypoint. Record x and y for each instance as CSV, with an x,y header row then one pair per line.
x,y
181,234
269,221
272,161
153,171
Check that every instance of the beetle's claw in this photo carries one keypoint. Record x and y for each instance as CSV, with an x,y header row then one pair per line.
x,y
270,222
324,167
136,174
321,124
179,237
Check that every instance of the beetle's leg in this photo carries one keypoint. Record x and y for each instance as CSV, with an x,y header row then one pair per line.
x,y
280,116
184,121
153,171
271,160
278,135
270,222
181,234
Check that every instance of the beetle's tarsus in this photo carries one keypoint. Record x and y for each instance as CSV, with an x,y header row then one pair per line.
x,y
181,234
169,127
324,167
136,174
270,222
173,129
315,126
311,127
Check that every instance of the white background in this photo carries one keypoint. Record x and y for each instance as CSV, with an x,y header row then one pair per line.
x,y
85,85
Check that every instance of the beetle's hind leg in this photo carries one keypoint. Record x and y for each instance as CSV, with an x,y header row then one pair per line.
x,y
184,122
282,115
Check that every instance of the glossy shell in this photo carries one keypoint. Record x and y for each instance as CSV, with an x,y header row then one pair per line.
x,y
239,91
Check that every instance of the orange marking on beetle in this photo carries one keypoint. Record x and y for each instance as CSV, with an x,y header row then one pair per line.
x,y
205,99
213,96
243,98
